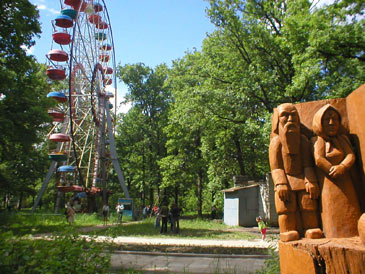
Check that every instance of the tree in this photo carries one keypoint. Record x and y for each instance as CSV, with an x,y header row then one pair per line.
x,y
132,145
262,53
328,47
23,102
141,130
183,168
288,51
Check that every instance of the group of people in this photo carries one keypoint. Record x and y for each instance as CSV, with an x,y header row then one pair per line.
x,y
71,207
119,208
166,215
147,211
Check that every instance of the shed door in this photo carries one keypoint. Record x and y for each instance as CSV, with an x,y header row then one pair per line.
x,y
231,211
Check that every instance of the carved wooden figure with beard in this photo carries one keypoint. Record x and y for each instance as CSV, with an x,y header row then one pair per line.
x,y
296,188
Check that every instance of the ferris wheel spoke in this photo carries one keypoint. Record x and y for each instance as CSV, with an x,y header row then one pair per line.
x,y
84,118
85,49
86,147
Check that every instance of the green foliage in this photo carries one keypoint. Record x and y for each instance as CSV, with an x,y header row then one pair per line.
x,y
207,118
286,51
140,138
17,29
23,102
66,253
261,54
327,46
189,200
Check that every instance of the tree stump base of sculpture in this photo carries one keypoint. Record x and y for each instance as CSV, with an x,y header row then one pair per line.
x,y
334,255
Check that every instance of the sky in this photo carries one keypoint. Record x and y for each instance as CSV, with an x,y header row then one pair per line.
x,y
144,31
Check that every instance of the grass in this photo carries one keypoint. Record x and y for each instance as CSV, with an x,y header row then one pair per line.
x,y
25,223
198,228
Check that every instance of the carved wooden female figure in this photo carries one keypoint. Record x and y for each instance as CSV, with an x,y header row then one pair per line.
x,y
334,158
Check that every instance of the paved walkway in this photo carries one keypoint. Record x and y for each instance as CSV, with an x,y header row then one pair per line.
x,y
168,262
258,243
186,263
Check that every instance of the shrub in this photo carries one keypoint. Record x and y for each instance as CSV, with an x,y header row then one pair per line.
x,y
66,253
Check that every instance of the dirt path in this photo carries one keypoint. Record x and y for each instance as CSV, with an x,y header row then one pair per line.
x,y
91,228
254,230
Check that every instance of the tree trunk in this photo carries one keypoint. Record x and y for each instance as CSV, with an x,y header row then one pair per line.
x,y
20,201
253,165
158,196
176,194
91,203
226,184
200,192
59,199
239,153
143,194
151,196
200,176
129,183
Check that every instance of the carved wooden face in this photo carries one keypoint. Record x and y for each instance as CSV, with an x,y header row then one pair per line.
x,y
288,117
331,122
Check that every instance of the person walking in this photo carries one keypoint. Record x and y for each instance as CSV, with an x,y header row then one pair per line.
x,y
105,213
262,227
156,211
120,209
70,214
145,212
164,212
175,214
214,212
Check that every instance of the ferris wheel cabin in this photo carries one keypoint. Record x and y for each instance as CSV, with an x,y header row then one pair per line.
x,y
57,95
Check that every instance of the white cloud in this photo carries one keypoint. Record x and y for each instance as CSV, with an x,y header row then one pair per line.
x,y
122,91
41,7
121,107
29,51
44,7
124,107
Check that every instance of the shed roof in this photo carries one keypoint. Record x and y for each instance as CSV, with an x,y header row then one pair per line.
x,y
237,188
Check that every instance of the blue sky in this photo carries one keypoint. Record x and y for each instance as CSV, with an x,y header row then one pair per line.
x,y
147,31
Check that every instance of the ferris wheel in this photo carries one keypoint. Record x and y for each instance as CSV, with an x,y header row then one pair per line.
x,y
82,59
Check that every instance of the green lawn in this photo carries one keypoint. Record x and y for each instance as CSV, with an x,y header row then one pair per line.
x,y
70,253
196,228
25,223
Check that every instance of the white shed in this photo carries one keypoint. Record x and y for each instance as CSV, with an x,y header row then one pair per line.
x,y
247,200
